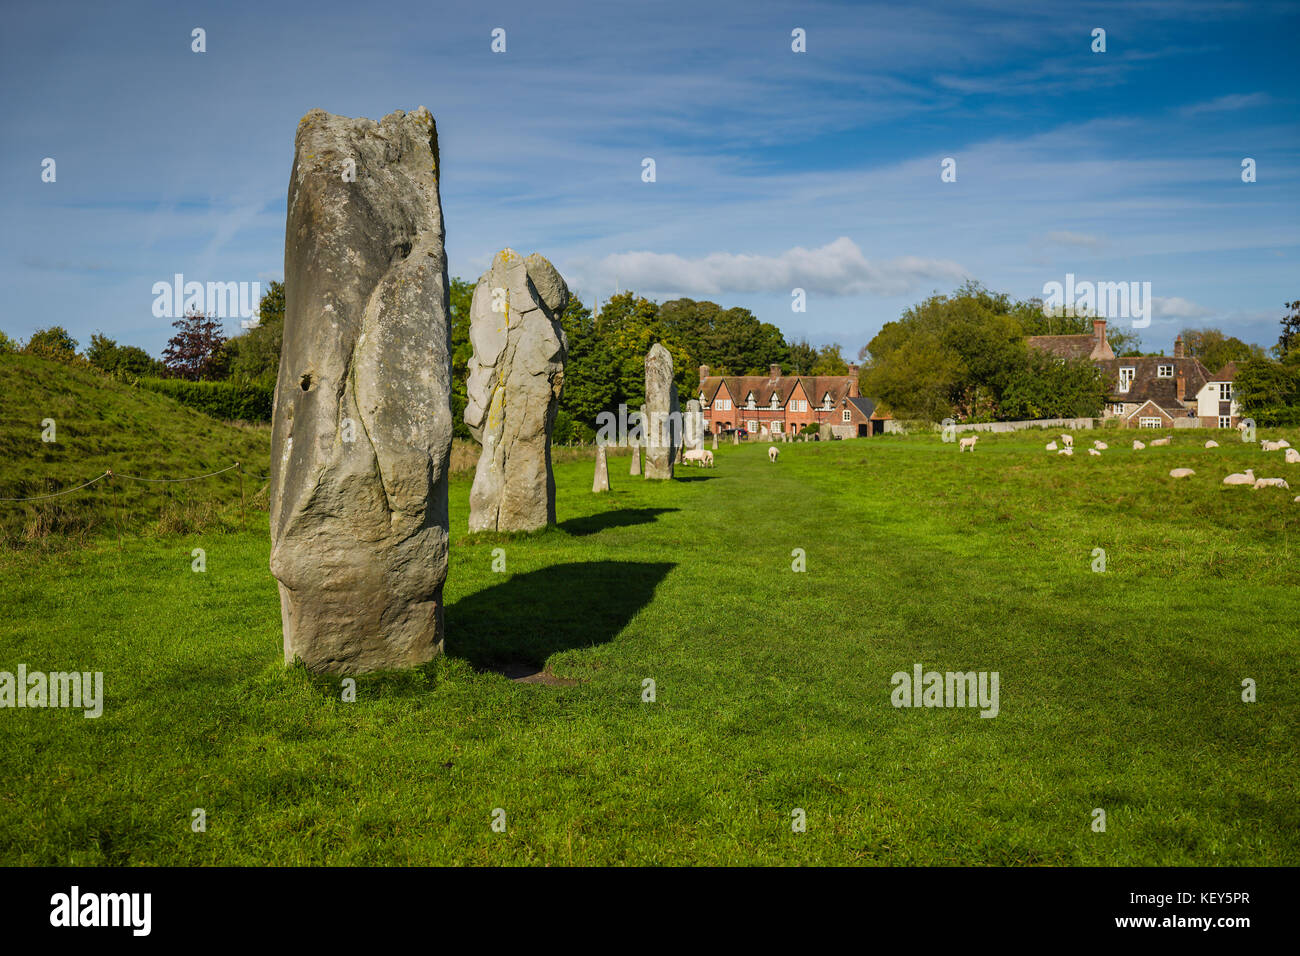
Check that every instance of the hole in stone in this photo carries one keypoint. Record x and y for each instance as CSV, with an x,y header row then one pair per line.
x,y
305,382
403,249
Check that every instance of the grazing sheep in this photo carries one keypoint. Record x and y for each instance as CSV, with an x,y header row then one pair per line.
x,y
968,444
699,455
1051,446
1066,451
1239,478
1292,456
772,453
1271,483
1100,445
1068,440
1093,451
1160,441
1137,445
1270,445
1181,473
1211,444
708,459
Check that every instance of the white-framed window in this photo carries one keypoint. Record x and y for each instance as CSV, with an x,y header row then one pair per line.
x,y
775,402
1117,408
848,415
1165,371
1153,422
1126,378
722,404
1225,421
775,427
752,425
1225,391
798,405
749,402
826,402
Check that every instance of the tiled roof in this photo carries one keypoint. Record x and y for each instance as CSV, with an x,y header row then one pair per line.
x,y
1064,346
814,387
1148,385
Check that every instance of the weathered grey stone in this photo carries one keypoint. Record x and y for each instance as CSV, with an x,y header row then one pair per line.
x,y
715,441
362,420
516,375
636,460
693,426
662,421
601,480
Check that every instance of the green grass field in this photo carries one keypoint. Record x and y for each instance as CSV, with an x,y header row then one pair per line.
x,y
1118,690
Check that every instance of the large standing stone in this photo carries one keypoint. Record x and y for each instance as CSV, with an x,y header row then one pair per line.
x,y
663,418
362,421
515,378
600,482
693,426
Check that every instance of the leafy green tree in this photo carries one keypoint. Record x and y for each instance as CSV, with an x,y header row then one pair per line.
x,y
1269,391
7,345
124,361
1215,349
730,341
830,361
802,357
54,343
254,356
460,298
628,326
1289,341
1046,388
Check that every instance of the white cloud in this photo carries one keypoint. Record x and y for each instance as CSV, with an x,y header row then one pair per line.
x,y
1172,307
837,268
1233,101
1081,239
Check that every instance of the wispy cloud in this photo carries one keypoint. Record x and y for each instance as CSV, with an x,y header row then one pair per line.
x,y
837,268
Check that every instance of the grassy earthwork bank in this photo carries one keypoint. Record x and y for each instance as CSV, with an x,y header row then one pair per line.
x,y
1119,690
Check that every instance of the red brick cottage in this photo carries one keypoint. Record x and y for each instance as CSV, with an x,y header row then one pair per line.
x,y
786,403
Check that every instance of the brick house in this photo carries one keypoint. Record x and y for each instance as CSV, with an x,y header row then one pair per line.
x,y
1152,391
786,403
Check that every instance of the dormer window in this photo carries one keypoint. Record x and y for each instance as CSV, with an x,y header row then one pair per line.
x,y
1165,371
1126,378
749,401
776,401
826,401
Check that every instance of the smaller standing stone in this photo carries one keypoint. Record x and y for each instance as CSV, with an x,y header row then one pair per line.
x,y
715,441
735,437
635,470
601,481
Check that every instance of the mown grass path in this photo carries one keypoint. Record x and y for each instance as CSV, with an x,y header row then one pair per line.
x,y
1118,690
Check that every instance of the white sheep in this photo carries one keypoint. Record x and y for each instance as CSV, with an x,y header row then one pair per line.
x,y
1051,446
772,453
1066,451
968,444
1271,483
1270,445
1068,440
1283,443
1240,478
1094,452
1181,473
1211,444
699,455
1160,441
1100,445
1137,445
1292,456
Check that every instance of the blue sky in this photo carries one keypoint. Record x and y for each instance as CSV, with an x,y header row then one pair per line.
x,y
774,169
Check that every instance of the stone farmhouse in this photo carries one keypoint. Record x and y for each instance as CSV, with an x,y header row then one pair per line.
x,y
1152,391
778,403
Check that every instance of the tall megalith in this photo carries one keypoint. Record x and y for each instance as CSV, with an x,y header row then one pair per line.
x,y
516,375
362,417
662,418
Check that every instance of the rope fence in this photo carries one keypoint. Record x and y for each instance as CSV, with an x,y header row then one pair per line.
x,y
111,474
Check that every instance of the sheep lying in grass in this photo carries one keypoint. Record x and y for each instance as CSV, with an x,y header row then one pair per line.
x,y
1160,441
1271,483
1283,443
1100,445
1211,444
968,444
1066,451
1270,445
1094,452
1239,478
1068,440
1137,445
1051,446
772,453
1292,456
1181,473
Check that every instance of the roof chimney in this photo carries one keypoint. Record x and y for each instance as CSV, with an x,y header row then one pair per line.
x,y
704,373
1180,381
1178,350
853,382
1099,331
774,370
